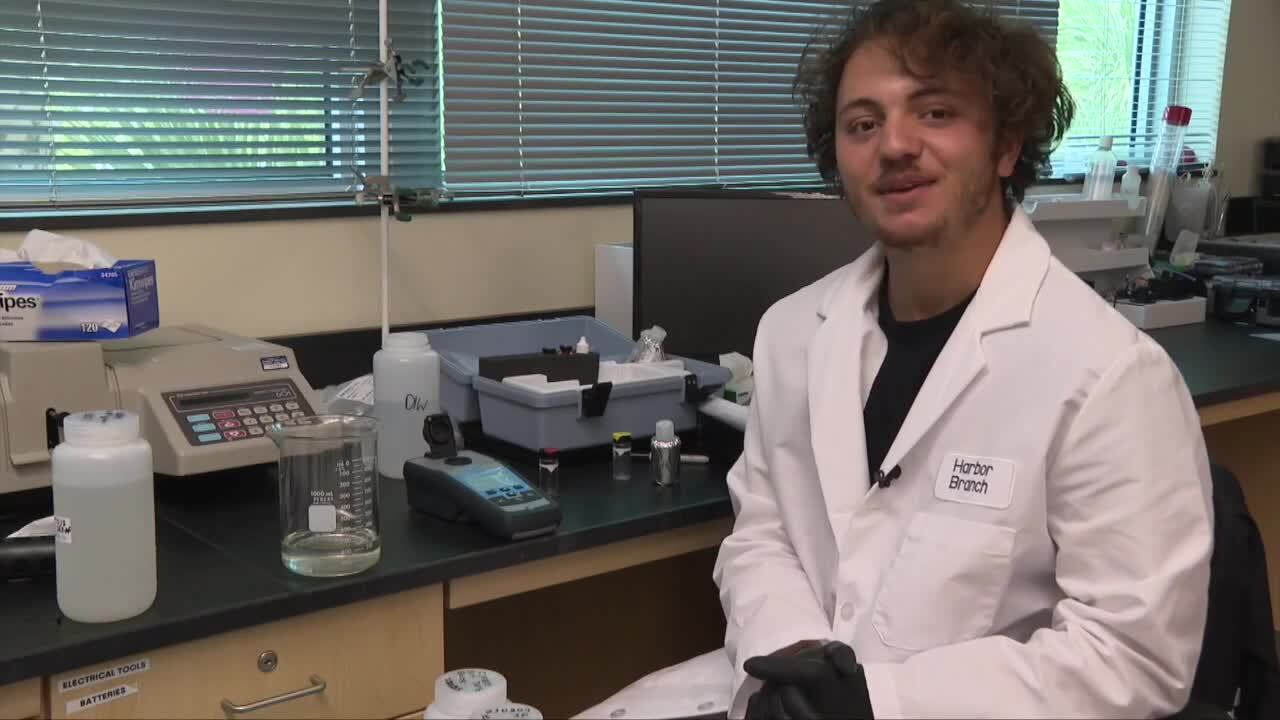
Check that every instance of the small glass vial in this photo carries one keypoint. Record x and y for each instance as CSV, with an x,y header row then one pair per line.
x,y
622,456
549,472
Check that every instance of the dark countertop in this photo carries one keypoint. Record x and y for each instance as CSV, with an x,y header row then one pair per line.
x,y
218,546
1222,362
219,566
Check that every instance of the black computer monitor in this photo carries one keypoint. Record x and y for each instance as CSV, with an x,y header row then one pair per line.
x,y
708,264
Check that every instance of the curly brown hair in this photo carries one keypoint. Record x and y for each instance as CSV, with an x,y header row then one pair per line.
x,y
1011,61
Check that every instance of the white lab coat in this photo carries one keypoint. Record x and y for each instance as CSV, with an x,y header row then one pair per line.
x,y
1072,584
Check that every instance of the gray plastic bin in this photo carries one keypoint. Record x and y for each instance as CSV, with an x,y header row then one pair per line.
x,y
540,420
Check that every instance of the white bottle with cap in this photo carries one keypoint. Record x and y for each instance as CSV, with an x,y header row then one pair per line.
x,y
1100,179
406,389
1131,185
104,502
460,694
664,454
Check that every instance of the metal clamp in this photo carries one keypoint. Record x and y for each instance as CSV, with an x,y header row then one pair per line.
x,y
317,686
694,393
594,400
395,71
378,188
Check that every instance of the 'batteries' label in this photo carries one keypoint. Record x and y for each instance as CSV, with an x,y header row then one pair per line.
x,y
100,698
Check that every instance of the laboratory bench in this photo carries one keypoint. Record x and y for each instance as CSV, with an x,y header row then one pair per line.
x,y
601,587
623,588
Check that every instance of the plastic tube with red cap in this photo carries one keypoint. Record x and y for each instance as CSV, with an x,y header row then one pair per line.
x,y
1164,167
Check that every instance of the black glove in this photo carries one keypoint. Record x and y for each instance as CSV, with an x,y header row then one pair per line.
x,y
819,683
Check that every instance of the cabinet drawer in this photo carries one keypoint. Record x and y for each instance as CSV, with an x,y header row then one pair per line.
x,y
20,700
376,659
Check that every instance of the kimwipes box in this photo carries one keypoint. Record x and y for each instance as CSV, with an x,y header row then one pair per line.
x,y
63,301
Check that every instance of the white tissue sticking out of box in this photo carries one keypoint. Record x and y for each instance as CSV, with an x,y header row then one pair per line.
x,y
40,246
738,364
42,527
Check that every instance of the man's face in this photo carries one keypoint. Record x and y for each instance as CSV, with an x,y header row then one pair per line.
x,y
917,157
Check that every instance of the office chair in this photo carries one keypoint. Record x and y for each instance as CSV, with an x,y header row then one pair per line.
x,y
1238,669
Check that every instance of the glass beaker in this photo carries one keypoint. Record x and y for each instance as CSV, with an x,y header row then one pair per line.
x,y
328,494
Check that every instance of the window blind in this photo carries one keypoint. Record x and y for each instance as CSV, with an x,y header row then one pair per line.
x,y
1125,61
582,96
128,102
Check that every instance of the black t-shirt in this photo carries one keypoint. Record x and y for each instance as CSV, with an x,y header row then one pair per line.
x,y
913,348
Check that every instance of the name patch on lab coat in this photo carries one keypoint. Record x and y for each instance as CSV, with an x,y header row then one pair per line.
x,y
975,480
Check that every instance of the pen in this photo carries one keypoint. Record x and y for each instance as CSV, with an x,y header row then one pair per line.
x,y
685,458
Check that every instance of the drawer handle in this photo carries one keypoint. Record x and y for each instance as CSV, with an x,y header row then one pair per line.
x,y
317,686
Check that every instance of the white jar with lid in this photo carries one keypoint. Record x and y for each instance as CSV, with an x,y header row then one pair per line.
x,y
508,711
104,502
406,389
462,693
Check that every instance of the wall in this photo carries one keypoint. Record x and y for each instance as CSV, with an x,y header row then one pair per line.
x,y
276,278
249,277
1250,92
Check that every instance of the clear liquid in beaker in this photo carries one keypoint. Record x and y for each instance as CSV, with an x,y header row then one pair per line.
x,y
328,495
331,554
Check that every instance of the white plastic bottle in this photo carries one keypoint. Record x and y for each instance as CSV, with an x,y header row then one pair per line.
x,y
1131,185
406,389
104,501
1100,180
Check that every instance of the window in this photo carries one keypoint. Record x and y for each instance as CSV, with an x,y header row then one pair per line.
x,y
127,103
142,102
1125,61
593,96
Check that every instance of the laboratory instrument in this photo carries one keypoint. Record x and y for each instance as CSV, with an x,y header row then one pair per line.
x,y
622,456
1165,300
705,264
329,515
1261,246
203,397
459,694
26,557
530,403
1246,298
406,389
549,472
664,454
1100,178
104,509
1164,166
464,485
1208,266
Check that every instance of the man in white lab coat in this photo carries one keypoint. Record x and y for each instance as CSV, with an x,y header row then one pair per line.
x,y
970,488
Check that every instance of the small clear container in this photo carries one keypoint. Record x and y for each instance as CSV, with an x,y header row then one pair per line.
x,y
549,472
622,456
329,522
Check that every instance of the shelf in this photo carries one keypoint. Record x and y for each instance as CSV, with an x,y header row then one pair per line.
x,y
1087,260
1058,208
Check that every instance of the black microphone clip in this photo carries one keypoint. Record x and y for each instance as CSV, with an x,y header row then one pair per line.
x,y
885,480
